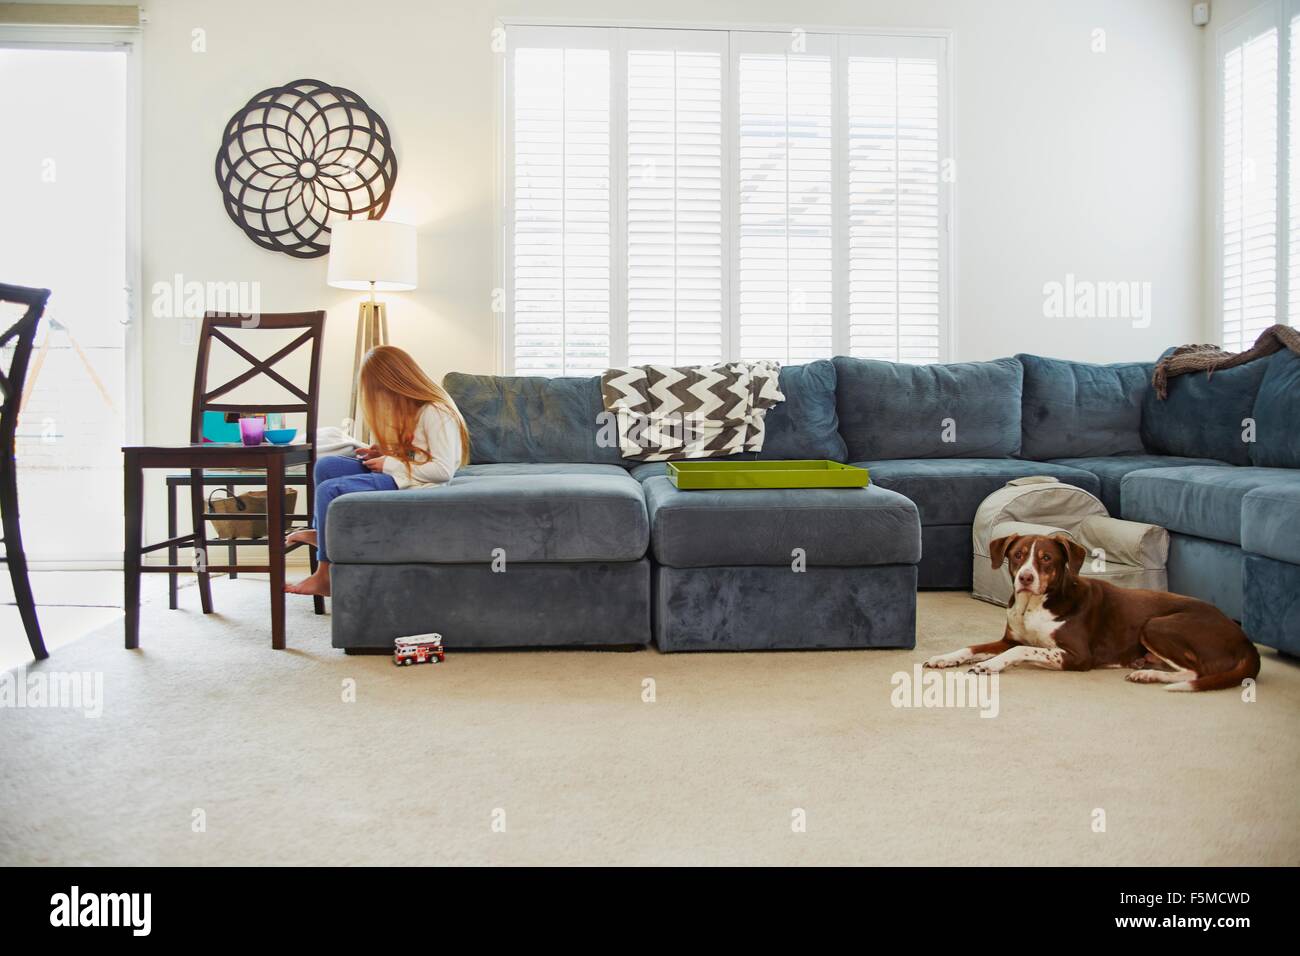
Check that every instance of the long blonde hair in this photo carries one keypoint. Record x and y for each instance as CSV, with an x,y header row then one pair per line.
x,y
394,390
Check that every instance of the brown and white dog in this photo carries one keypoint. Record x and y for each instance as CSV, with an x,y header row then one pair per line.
x,y
1061,621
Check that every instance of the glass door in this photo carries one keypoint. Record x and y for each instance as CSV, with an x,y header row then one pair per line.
x,y
65,227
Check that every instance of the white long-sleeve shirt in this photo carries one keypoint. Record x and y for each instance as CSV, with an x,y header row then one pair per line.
x,y
437,431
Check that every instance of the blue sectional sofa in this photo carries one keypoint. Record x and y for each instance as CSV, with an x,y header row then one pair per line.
x,y
550,538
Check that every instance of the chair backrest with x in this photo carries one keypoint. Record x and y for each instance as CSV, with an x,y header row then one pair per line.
x,y
20,337
207,398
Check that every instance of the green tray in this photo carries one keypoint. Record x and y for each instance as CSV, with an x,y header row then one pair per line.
x,y
721,475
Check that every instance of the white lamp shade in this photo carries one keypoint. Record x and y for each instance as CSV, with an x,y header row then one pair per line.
x,y
365,251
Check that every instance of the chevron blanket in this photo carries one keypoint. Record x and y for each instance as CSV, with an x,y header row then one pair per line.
x,y
665,413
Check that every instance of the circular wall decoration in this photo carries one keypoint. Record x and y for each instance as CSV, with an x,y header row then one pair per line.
x,y
299,155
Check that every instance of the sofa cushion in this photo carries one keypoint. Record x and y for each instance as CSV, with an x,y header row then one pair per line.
x,y
507,469
950,490
648,469
1078,409
805,425
515,419
1203,414
1270,521
533,419
834,527
532,518
1111,471
1277,414
1201,500
962,410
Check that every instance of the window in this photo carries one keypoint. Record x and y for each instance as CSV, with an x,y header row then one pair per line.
x,y
694,196
785,172
675,267
1259,206
562,205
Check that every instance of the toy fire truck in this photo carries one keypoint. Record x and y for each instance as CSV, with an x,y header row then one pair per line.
x,y
420,649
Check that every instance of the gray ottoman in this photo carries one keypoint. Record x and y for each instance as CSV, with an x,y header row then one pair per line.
x,y
532,559
782,569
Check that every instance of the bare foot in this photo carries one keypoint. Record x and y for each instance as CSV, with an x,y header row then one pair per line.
x,y
303,536
317,584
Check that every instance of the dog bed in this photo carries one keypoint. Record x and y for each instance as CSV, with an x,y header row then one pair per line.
x,y
1127,553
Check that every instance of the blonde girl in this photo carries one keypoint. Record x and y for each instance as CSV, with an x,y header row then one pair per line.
x,y
420,440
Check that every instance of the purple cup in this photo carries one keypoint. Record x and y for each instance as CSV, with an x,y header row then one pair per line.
x,y
251,430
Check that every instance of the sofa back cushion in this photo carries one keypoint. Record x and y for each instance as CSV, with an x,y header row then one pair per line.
x,y
805,425
1082,410
962,410
1203,415
539,419
531,418
1277,414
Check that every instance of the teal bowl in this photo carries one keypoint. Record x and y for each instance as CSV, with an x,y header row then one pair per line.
x,y
280,436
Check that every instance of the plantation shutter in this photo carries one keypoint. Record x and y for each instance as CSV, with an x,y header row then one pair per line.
x,y
1249,212
895,216
687,197
675,196
784,257
1293,182
559,161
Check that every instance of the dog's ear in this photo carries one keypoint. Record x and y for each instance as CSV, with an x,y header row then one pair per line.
x,y
1075,553
999,547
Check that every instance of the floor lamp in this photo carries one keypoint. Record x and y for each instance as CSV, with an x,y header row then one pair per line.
x,y
370,255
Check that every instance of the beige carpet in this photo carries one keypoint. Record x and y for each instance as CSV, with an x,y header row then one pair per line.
x,y
205,723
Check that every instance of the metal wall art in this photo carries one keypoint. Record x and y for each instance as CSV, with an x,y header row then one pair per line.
x,y
296,157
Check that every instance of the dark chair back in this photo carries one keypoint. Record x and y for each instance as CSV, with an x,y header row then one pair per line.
x,y
21,336
207,396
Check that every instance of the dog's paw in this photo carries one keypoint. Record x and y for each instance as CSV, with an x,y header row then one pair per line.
x,y
945,660
985,668
1147,677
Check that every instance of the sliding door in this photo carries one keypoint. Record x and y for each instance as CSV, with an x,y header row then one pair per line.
x,y
64,173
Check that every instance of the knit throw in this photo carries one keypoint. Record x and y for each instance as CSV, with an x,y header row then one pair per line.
x,y
666,413
1211,358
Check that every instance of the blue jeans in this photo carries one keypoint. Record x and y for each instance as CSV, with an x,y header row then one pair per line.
x,y
342,475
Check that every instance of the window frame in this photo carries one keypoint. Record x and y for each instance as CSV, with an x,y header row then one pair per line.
x,y
502,319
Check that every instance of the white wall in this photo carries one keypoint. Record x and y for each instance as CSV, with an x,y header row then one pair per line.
x,y
1069,161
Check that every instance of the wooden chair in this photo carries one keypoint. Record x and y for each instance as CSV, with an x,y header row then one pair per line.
x,y
313,324
20,337
196,456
